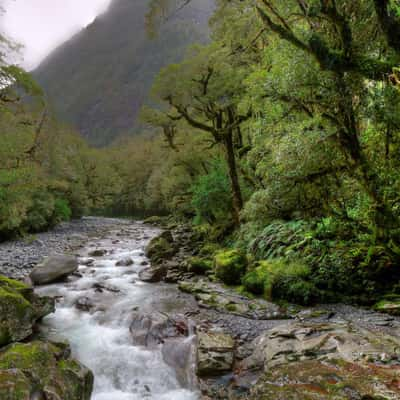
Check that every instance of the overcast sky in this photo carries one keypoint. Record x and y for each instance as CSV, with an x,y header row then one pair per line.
x,y
41,25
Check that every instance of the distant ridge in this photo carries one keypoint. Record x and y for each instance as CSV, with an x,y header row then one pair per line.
x,y
99,79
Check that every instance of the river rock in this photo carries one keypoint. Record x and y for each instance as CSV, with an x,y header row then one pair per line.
x,y
125,262
98,253
153,274
84,304
180,354
215,354
305,361
53,269
40,370
161,248
152,329
20,308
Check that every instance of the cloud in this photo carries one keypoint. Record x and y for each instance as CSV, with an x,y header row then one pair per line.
x,y
42,25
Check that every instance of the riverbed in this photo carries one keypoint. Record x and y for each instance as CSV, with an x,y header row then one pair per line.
x,y
94,311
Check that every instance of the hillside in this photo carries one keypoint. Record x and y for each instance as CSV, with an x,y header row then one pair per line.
x,y
99,79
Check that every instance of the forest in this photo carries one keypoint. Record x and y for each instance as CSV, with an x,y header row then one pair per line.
x,y
279,139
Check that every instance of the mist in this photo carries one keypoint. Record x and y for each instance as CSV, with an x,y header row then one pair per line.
x,y
42,25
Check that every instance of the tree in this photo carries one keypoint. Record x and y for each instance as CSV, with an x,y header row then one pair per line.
x,y
205,92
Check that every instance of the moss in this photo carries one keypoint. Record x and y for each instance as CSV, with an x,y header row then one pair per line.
x,y
209,250
161,248
12,284
14,385
199,265
232,307
281,281
255,280
230,266
27,356
47,369
390,305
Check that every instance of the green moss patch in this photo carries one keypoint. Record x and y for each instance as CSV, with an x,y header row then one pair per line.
x,y
230,266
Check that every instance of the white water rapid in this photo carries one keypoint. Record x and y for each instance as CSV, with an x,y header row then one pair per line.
x,y
99,336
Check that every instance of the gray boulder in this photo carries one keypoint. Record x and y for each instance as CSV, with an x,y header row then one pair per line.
x,y
53,269
152,329
215,354
153,274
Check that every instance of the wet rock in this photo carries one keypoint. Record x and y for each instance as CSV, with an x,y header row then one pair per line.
x,y
180,354
87,261
98,253
153,274
100,288
152,329
125,262
215,354
20,308
42,368
53,269
84,304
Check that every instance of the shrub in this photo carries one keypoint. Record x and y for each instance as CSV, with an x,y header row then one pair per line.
x,y
211,194
62,211
230,266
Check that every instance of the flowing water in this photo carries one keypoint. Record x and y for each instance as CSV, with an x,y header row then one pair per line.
x,y
100,339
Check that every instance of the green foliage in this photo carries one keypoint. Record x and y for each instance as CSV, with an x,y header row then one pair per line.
x,y
230,266
211,194
62,211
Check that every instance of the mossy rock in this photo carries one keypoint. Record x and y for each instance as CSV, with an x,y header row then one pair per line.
x,y
200,266
20,308
333,379
280,280
256,278
389,305
209,250
230,266
42,367
161,248
155,220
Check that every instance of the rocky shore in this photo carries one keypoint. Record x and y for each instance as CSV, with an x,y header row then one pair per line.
x,y
251,349
245,348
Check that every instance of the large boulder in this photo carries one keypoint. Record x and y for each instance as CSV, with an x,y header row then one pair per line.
x,y
20,308
54,269
42,371
215,354
312,361
153,274
152,329
331,379
161,248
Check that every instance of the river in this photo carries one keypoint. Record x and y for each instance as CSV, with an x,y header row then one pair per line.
x,y
98,330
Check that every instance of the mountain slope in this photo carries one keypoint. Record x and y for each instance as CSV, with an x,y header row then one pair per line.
x,y
99,79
